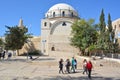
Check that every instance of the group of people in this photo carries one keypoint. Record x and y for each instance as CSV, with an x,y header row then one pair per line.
x,y
3,54
72,66
68,64
87,67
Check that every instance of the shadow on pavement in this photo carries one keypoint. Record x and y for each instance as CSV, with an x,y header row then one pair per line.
x,y
26,60
75,78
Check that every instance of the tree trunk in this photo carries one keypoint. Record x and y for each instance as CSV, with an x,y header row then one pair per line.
x,y
83,52
89,54
18,52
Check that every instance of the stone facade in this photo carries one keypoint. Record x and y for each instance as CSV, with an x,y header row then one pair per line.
x,y
116,26
56,29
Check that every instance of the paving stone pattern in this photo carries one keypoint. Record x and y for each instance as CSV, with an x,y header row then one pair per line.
x,y
46,68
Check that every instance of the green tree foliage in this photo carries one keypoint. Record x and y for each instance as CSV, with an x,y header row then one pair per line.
x,y
15,37
1,42
111,35
107,40
110,28
102,22
116,48
101,43
90,36
83,34
1,45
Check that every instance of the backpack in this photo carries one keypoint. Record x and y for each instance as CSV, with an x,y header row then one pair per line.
x,y
69,64
89,66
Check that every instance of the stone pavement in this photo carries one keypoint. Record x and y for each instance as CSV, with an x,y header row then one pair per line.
x,y
46,68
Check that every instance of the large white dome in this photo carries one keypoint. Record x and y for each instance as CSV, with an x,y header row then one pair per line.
x,y
61,10
61,6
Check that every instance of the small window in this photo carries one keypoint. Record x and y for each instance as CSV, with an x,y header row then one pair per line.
x,y
63,13
119,25
47,15
53,14
72,14
53,48
63,24
45,24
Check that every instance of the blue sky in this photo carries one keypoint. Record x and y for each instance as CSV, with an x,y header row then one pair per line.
x,y
32,11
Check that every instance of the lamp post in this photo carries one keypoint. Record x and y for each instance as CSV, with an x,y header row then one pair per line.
x,y
44,41
27,41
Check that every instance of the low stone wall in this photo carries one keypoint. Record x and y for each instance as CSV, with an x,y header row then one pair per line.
x,y
112,59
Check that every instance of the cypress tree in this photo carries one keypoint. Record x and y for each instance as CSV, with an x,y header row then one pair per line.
x,y
110,28
110,34
102,31
102,22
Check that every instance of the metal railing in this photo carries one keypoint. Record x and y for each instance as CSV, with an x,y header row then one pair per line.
x,y
60,15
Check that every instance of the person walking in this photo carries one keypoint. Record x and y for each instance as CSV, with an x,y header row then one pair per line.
x,y
61,66
68,64
9,55
89,68
73,64
84,66
3,54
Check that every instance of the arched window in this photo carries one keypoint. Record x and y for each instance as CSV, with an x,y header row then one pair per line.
x,y
53,48
53,14
72,14
45,24
63,13
47,15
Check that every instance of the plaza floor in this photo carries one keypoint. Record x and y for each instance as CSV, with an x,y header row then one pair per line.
x,y
46,68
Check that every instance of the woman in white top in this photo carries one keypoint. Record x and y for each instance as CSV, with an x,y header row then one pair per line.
x,y
84,66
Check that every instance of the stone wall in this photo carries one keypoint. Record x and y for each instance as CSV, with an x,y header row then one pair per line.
x,y
61,43
32,45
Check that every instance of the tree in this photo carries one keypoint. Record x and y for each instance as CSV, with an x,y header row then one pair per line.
x,y
116,46
107,40
83,34
111,34
101,43
15,38
1,45
1,42
102,22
